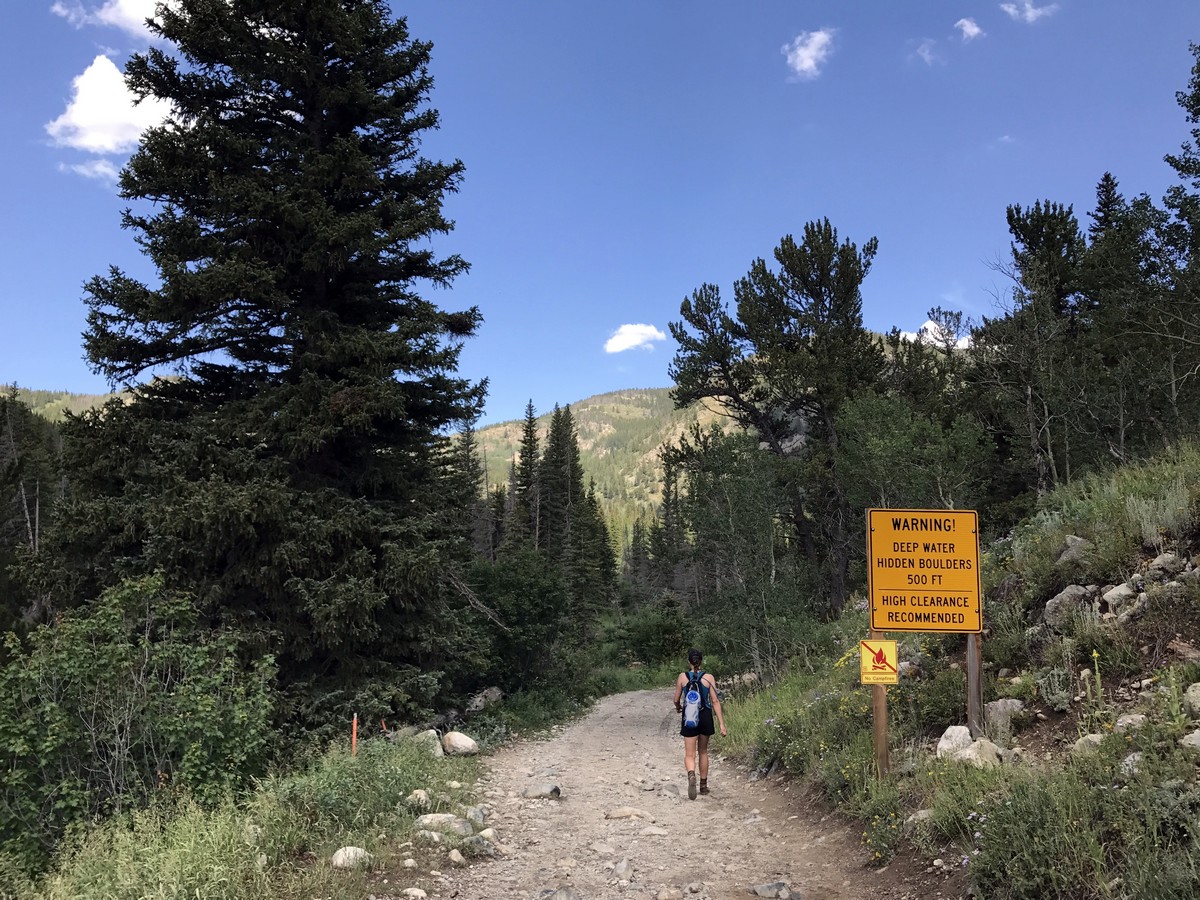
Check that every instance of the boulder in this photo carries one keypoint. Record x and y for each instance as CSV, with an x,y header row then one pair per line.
x,y
1076,550
1191,742
455,743
982,754
955,738
997,719
351,858
1191,701
1165,566
430,740
1086,744
1072,601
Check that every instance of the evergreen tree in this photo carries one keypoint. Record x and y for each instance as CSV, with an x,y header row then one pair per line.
x,y
560,486
31,487
292,473
784,367
525,489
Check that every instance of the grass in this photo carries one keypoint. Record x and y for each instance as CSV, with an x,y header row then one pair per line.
x,y
276,842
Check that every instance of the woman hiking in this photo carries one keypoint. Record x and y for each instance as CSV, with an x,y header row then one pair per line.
x,y
695,736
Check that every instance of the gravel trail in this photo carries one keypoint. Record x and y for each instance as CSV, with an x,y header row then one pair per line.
x,y
627,753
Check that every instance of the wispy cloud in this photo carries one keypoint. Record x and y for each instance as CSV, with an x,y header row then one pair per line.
x,y
99,169
808,52
970,29
630,337
1026,12
128,15
102,117
925,50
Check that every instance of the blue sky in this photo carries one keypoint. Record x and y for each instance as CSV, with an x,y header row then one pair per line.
x,y
620,154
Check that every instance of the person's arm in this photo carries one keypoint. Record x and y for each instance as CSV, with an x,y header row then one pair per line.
x,y
679,682
716,702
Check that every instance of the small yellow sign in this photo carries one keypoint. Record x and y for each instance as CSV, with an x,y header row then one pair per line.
x,y
879,664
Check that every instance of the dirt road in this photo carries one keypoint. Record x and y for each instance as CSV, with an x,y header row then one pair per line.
x,y
627,753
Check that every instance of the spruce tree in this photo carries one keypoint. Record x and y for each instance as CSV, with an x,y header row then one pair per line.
x,y
292,471
525,489
560,486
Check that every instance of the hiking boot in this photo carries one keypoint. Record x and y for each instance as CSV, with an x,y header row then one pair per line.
x,y
704,785
691,785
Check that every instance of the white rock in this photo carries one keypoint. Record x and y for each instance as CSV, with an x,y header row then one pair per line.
x,y
655,831
351,858
955,738
455,743
457,858
542,791
415,893
1191,742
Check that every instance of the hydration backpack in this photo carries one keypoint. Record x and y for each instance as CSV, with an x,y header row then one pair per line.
x,y
693,700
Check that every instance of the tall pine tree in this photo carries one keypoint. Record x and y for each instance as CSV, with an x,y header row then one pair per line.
x,y
292,472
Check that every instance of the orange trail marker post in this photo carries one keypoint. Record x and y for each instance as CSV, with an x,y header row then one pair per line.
x,y
354,736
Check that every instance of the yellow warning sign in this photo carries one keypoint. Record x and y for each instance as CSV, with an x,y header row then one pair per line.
x,y
923,570
879,662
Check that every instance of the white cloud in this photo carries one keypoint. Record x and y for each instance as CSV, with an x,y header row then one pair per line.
x,y
128,15
102,117
629,337
100,169
931,332
1027,12
925,51
809,51
970,30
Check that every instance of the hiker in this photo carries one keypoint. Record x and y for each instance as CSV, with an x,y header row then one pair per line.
x,y
696,735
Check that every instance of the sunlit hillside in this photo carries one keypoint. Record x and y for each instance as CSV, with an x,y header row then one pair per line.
x,y
620,434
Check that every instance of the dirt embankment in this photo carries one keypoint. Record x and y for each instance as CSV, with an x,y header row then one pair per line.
x,y
627,753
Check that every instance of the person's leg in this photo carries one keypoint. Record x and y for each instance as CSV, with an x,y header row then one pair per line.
x,y
689,763
702,749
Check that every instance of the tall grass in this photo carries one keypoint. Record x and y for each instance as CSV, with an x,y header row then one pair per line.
x,y
276,843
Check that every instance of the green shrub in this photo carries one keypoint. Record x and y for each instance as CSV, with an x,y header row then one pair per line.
x,y
1067,856
117,703
925,706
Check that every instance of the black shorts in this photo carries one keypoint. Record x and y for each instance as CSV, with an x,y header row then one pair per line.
x,y
705,727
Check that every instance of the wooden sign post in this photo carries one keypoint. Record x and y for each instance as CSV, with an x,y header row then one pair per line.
x,y
923,575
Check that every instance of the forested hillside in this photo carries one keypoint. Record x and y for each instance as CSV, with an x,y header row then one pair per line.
x,y
54,405
621,435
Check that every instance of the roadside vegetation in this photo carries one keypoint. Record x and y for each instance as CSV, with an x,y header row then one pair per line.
x,y
1049,822
204,579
